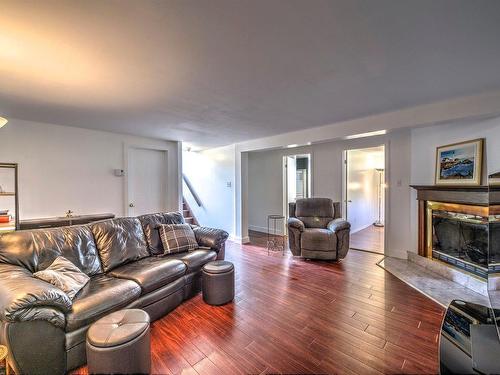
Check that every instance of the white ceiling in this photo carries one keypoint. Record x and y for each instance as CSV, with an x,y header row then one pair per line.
x,y
214,72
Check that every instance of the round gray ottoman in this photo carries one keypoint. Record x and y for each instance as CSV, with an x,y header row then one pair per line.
x,y
218,282
119,343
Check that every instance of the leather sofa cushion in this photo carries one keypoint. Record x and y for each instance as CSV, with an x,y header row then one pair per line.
x,y
210,237
103,294
151,273
25,298
318,239
35,250
315,212
194,260
119,241
150,225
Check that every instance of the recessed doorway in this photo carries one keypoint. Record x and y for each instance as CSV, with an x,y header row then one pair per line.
x,y
296,179
364,197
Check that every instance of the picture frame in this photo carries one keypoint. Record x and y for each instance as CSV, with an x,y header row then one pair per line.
x,y
460,164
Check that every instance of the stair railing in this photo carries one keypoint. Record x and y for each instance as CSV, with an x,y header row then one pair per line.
x,y
191,190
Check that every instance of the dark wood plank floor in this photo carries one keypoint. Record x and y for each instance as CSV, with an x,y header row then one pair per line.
x,y
369,239
296,316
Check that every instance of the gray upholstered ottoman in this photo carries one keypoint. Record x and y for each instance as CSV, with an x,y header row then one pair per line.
x,y
120,343
218,282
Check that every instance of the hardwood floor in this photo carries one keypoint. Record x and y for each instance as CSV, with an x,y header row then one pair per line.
x,y
369,239
295,316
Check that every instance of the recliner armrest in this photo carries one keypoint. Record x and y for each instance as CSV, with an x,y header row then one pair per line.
x,y
295,223
21,295
338,225
210,237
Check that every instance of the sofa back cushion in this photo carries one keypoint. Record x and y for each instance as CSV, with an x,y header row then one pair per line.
x,y
150,224
36,249
119,241
315,212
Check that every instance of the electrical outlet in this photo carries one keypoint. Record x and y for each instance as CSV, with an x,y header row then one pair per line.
x,y
228,184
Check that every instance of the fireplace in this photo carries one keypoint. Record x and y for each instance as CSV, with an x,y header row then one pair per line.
x,y
454,228
458,235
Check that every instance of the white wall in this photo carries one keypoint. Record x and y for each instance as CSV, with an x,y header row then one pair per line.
x,y
451,110
65,168
265,185
411,158
210,172
425,140
423,157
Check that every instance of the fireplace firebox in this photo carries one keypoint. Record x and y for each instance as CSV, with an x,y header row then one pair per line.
x,y
458,235
454,228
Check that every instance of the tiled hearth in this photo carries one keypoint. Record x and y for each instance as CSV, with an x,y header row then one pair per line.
x,y
422,276
462,278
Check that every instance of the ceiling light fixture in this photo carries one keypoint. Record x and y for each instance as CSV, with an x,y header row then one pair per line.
x,y
3,121
297,145
364,135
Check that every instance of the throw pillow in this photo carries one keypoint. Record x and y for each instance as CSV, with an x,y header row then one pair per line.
x,y
64,275
177,238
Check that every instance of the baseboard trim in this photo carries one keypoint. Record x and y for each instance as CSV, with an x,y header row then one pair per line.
x,y
360,229
239,240
260,229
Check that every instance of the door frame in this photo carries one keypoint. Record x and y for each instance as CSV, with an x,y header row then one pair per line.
x,y
309,155
127,147
357,146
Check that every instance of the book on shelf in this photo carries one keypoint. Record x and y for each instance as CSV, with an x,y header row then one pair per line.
x,y
5,218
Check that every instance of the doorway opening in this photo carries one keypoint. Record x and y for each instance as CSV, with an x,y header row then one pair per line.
x,y
296,179
364,197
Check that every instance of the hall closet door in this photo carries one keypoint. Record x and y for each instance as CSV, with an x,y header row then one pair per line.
x,y
147,181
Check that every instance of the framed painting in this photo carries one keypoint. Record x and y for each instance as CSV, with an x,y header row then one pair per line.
x,y
460,163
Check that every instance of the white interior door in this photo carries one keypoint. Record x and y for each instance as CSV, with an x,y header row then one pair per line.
x,y
147,181
356,201
291,171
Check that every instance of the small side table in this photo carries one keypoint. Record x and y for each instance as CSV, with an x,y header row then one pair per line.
x,y
4,357
275,241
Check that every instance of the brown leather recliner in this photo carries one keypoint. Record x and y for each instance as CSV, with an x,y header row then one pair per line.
x,y
316,229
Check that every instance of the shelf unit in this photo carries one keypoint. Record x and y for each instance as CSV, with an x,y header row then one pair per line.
x,y
11,182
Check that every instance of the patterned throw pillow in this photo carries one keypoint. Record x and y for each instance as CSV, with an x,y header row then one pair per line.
x,y
177,238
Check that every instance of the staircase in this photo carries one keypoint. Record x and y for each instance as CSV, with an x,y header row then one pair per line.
x,y
189,218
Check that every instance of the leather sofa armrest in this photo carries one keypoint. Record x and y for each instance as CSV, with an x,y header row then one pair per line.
x,y
210,237
337,225
295,223
25,298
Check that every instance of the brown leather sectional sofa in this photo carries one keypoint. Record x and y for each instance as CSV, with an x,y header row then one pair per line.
x,y
44,330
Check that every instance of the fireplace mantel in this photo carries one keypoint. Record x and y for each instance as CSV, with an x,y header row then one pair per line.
x,y
476,195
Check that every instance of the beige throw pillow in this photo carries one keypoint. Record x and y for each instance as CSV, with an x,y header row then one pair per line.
x,y
64,275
